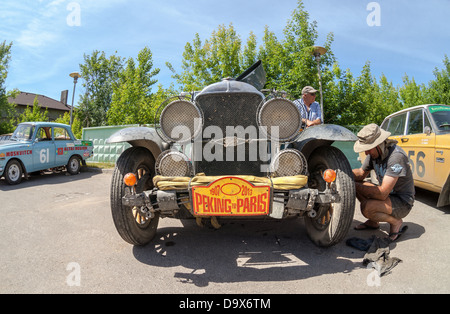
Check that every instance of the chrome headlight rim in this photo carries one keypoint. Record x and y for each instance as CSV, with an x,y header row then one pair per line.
x,y
266,129
162,110
184,168
278,170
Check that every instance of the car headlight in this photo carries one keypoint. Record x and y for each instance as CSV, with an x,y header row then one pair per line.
x,y
280,119
172,163
180,121
289,162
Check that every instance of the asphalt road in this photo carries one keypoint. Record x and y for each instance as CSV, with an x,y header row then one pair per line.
x,y
57,236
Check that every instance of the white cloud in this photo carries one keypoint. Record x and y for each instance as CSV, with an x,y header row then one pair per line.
x,y
41,25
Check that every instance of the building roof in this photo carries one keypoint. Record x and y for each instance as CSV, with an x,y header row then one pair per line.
x,y
27,99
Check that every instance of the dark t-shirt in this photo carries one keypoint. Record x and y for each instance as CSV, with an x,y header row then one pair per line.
x,y
395,165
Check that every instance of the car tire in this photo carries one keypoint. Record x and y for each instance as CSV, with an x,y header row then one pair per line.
x,y
333,222
133,227
13,172
74,165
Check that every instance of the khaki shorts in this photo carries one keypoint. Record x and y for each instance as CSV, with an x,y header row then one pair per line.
x,y
400,208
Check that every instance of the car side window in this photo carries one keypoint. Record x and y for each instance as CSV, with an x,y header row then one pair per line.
x,y
44,134
415,123
61,134
397,125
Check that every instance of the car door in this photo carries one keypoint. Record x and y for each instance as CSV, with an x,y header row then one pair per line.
x,y
64,146
43,149
418,142
441,116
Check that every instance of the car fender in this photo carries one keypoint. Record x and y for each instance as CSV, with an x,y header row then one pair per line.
x,y
140,137
320,135
24,169
12,146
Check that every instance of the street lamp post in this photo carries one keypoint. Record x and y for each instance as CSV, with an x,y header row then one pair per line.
x,y
317,53
75,76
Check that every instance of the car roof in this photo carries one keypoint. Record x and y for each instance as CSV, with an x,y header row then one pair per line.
x,y
46,124
412,108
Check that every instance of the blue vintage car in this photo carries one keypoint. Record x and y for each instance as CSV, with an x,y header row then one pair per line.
x,y
36,146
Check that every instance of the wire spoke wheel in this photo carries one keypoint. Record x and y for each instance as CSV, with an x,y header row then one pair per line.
x,y
132,223
331,224
143,183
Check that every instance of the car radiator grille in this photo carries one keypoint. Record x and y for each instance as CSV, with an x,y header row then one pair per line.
x,y
229,109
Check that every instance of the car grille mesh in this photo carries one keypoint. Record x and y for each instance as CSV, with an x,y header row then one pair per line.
x,y
180,120
173,164
289,162
229,109
281,113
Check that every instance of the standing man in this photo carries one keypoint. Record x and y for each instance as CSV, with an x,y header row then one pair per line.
x,y
309,108
393,198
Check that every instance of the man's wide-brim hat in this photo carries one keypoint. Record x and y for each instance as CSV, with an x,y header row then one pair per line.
x,y
370,137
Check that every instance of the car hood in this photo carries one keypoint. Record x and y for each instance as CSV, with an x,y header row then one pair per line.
x,y
11,144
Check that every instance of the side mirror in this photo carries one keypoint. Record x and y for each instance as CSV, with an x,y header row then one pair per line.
x,y
427,130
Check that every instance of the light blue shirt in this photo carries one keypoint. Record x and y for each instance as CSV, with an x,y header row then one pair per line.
x,y
314,112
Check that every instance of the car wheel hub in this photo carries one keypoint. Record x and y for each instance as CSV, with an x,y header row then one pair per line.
x,y
14,172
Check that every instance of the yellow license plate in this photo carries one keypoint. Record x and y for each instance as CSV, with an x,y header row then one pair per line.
x,y
231,196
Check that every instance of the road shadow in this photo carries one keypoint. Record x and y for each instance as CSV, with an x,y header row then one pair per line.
x,y
47,178
414,231
242,251
431,198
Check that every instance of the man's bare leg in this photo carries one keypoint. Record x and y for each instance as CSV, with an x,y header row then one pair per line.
x,y
381,211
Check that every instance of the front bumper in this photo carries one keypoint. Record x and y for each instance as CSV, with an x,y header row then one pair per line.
x,y
233,196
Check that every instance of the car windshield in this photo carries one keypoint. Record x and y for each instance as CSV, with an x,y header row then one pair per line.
x,y
441,116
23,132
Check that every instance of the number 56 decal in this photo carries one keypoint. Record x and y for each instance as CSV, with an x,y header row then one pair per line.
x,y
420,165
44,156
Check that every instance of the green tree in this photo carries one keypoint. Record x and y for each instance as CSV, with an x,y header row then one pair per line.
x,y
439,88
99,74
249,54
387,101
220,56
7,110
298,67
288,63
339,96
361,100
271,54
33,114
411,93
77,128
132,94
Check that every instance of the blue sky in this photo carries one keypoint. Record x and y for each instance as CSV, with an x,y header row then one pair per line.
x,y
50,36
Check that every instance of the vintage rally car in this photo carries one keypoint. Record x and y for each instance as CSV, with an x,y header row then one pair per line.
x,y
424,133
36,146
230,152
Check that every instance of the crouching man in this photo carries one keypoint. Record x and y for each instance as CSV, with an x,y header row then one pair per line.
x,y
393,198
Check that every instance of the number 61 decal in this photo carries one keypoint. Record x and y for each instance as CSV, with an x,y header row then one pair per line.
x,y
44,156
420,165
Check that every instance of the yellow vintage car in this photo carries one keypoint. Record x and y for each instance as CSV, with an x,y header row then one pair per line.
x,y
424,134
